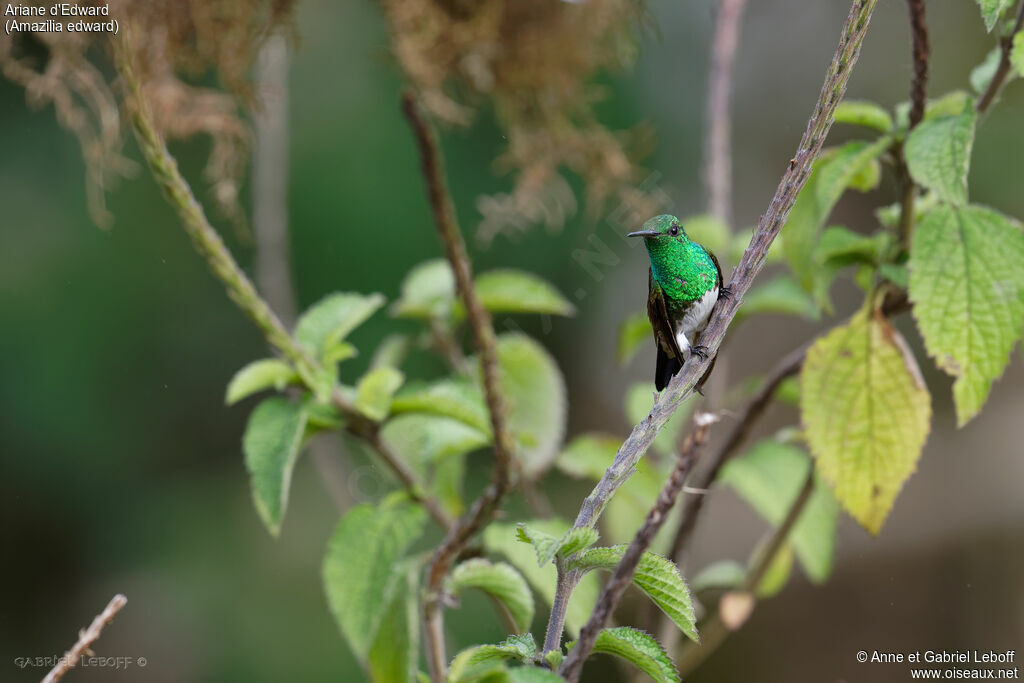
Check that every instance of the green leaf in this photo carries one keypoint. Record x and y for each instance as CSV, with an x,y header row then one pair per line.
x,y
428,291
516,291
868,178
446,483
375,390
391,352
991,10
628,507
533,674
863,113
1017,53
895,273
479,661
640,400
361,569
421,438
938,154
394,654
576,539
866,414
499,580
832,174
777,574
544,544
769,477
321,416
782,295
639,649
259,375
503,539
982,74
588,455
634,331
967,285
457,399
326,323
708,231
950,104
844,246
656,576
535,398
273,437
726,574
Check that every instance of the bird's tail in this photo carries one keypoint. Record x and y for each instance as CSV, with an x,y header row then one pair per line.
x,y
666,369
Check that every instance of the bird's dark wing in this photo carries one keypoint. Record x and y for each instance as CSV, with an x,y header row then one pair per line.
x,y
670,358
718,266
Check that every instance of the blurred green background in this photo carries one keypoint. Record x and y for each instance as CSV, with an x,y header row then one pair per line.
x,y
122,470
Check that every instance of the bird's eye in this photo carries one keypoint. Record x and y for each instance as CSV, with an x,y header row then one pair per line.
x,y
674,231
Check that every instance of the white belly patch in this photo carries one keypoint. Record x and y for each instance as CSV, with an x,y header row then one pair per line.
x,y
695,319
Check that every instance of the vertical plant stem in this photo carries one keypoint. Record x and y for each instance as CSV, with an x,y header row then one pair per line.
x,y
482,509
771,222
920,51
624,571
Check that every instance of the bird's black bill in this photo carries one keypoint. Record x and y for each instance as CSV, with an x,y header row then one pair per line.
x,y
644,233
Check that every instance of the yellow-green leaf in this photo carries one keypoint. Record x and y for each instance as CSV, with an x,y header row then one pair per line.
x,y
866,414
516,291
967,284
375,391
991,10
394,654
327,322
588,455
639,649
499,580
428,291
863,113
938,154
634,332
259,375
1017,53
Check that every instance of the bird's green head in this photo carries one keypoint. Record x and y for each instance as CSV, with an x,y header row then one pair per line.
x,y
664,237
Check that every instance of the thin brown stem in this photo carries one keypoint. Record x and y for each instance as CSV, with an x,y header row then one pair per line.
x,y
1003,68
624,571
484,506
920,50
85,639
717,143
771,222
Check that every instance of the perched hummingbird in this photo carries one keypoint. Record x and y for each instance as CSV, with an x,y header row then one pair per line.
x,y
684,283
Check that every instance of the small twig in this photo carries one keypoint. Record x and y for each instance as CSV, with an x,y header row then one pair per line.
x,y
1003,69
714,631
484,506
85,639
240,289
717,144
918,96
624,571
681,386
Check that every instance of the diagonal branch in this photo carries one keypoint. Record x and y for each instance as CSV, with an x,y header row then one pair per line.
x,y
1003,68
240,289
624,571
717,144
85,639
680,388
484,506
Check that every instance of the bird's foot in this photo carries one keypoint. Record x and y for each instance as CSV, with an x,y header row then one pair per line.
x,y
700,351
725,292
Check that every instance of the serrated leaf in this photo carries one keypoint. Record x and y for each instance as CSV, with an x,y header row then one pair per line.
x,y
375,391
982,74
991,10
781,294
499,580
421,438
535,397
656,576
576,539
257,376
769,478
326,323
832,174
428,291
272,440
361,568
634,332
709,231
479,661
640,400
394,654
457,399
544,544
866,414
863,113
588,455
502,539
639,649
967,285
938,154
722,574
517,291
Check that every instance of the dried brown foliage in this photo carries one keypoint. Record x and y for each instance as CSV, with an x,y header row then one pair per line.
x,y
175,45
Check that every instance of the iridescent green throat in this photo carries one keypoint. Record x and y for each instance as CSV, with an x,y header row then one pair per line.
x,y
682,267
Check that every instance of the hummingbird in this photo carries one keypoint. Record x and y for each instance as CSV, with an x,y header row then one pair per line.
x,y
684,283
